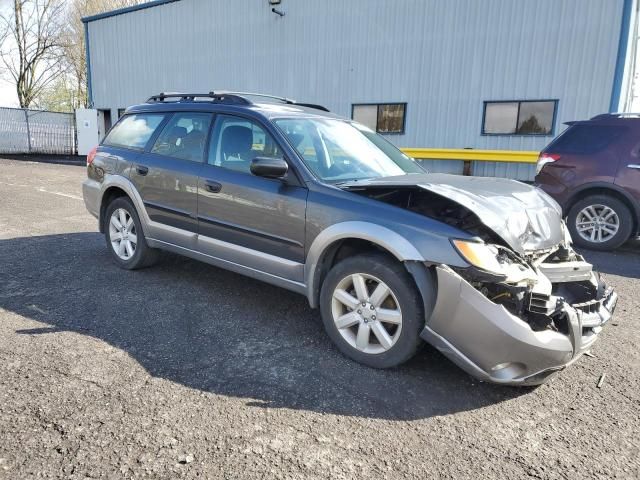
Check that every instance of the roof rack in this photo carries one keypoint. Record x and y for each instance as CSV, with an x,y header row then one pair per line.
x,y
216,96
237,98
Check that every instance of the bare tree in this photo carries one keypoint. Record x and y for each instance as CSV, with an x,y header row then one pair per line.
x,y
31,42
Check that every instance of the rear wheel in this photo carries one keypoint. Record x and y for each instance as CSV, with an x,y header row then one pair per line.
x,y
124,236
372,310
600,222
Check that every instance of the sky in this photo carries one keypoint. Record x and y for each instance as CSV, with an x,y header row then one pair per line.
x,y
8,96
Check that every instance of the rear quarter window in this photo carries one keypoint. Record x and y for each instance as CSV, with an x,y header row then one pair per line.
x,y
586,139
134,131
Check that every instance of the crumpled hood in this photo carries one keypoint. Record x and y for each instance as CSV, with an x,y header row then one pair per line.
x,y
525,217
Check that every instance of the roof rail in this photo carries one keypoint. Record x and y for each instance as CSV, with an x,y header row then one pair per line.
x,y
238,98
313,105
616,115
288,101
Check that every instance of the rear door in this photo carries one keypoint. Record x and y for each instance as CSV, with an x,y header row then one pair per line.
x,y
166,175
255,221
628,176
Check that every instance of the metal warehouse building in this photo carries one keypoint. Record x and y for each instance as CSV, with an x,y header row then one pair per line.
x,y
458,74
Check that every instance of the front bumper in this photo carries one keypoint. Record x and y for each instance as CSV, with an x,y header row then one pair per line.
x,y
492,344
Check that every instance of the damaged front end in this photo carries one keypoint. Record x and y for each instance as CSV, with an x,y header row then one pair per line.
x,y
527,304
520,325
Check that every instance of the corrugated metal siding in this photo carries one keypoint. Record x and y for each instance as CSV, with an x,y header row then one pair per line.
x,y
442,58
443,166
519,171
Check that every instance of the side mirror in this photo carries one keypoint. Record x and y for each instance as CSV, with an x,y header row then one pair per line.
x,y
269,167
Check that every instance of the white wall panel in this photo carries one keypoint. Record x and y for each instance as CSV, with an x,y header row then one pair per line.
x,y
444,58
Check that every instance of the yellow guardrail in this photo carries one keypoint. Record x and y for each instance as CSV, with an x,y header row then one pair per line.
x,y
513,156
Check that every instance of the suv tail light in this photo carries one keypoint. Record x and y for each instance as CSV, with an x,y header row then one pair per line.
x,y
545,158
91,155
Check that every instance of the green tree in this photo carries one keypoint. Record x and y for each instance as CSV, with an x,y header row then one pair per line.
x,y
531,125
60,96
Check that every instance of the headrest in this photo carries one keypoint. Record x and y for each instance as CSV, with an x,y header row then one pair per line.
x,y
236,139
178,132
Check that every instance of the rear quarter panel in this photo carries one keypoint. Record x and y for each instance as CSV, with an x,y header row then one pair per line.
x,y
112,161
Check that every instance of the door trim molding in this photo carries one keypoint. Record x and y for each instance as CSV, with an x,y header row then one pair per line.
x,y
251,231
164,208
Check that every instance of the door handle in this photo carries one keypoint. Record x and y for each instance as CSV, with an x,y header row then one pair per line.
x,y
634,165
142,170
211,186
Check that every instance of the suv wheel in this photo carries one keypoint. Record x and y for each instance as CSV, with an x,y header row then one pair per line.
x,y
372,310
125,238
599,222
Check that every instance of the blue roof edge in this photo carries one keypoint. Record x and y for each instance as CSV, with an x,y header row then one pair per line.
x,y
122,11
623,43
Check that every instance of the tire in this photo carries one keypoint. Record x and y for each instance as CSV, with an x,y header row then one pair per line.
x,y
608,234
138,254
403,298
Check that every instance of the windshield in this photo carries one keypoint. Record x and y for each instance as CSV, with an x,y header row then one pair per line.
x,y
339,151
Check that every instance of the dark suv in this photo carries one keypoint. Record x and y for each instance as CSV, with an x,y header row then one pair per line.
x,y
287,193
593,170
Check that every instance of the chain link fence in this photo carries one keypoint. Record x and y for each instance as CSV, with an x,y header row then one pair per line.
x,y
37,131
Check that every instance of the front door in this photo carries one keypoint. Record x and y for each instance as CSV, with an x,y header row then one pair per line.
x,y
257,222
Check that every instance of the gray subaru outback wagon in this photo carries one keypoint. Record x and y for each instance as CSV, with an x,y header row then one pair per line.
x,y
481,268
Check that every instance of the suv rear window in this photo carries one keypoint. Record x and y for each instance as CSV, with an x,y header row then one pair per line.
x,y
134,131
586,139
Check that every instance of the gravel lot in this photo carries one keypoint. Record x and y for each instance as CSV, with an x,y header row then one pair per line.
x,y
187,371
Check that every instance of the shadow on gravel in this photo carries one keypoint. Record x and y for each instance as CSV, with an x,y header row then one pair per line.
x,y
219,332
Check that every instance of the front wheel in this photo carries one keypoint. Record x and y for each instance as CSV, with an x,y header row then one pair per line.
x,y
372,310
599,222
125,238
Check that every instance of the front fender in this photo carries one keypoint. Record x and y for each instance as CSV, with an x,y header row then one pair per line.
x,y
387,239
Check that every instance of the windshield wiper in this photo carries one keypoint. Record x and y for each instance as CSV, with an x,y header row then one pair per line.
x,y
353,180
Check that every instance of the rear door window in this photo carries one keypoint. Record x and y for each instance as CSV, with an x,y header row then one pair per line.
x,y
586,139
184,136
134,131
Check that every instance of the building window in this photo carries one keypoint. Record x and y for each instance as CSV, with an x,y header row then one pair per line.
x,y
121,112
519,117
381,117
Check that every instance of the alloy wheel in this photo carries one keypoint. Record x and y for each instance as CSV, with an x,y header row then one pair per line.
x,y
122,234
597,223
366,313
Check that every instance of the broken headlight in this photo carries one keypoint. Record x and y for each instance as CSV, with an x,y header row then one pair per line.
x,y
494,259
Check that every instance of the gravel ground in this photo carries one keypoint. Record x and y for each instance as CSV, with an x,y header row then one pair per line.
x,y
188,371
